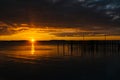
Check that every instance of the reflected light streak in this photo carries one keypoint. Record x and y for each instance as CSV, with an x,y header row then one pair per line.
x,y
32,48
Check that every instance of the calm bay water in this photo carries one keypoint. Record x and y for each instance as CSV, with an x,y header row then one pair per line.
x,y
60,60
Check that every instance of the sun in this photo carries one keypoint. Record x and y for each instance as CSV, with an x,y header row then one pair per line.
x,y
32,40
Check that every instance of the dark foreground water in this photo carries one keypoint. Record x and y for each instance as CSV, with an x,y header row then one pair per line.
x,y
60,60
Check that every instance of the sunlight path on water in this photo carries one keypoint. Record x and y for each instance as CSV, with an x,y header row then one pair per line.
x,y
32,46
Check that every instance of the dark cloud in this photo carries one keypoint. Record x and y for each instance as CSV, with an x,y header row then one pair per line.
x,y
88,15
7,29
87,33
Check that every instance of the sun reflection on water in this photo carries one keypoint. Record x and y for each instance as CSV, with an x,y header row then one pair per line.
x,y
32,48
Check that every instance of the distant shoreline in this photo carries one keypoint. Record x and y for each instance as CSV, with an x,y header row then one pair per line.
x,y
54,40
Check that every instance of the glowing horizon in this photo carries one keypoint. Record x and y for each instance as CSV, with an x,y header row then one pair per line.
x,y
37,34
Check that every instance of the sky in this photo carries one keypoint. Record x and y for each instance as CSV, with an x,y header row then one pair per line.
x,y
59,19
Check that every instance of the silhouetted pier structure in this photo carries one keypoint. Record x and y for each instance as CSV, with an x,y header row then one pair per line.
x,y
89,48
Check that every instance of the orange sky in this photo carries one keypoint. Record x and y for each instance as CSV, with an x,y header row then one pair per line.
x,y
47,34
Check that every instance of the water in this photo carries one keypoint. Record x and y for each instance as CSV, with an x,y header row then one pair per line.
x,y
60,60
